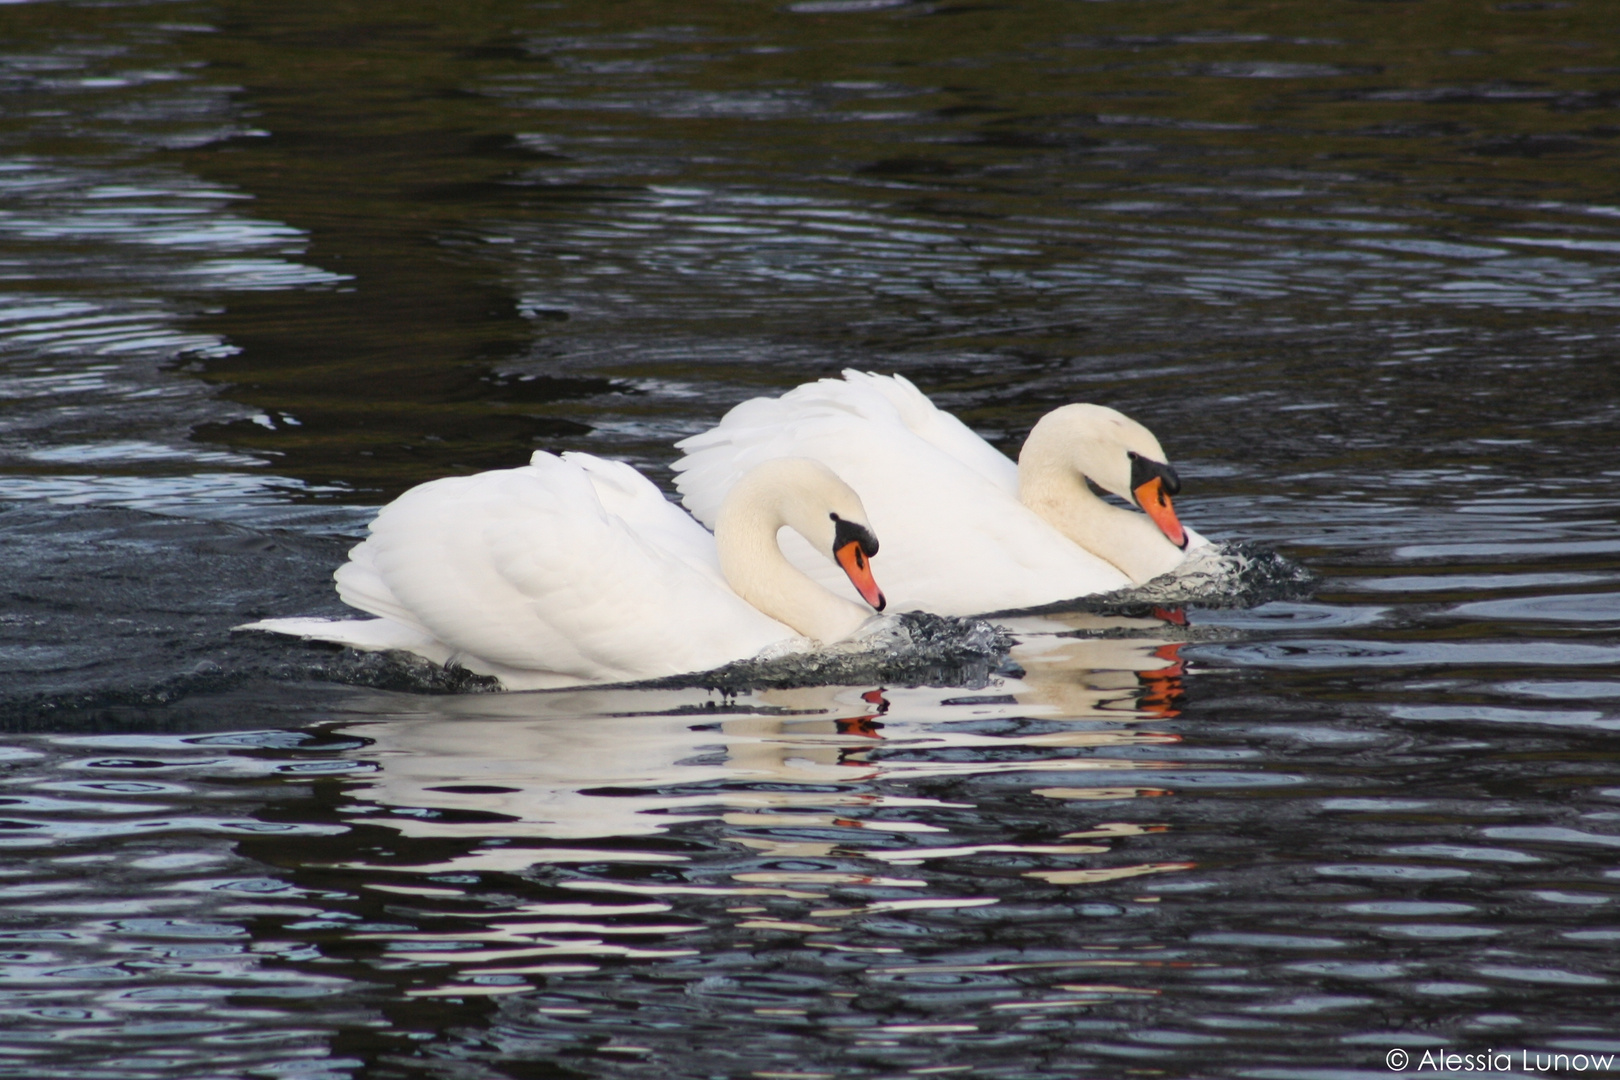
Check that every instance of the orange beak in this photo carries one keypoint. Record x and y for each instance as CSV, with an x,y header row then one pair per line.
x,y
859,569
1152,497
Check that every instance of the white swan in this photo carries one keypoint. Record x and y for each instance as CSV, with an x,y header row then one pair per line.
x,y
577,570
965,531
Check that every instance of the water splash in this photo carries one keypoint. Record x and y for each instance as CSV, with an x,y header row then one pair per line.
x,y
1228,575
913,648
1238,574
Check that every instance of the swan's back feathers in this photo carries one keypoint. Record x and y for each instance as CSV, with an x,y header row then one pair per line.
x,y
529,568
824,412
629,496
937,427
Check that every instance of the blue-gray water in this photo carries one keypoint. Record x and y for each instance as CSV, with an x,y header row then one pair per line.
x,y
266,265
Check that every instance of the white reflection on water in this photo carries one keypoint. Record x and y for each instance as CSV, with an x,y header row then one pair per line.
x,y
541,761
802,792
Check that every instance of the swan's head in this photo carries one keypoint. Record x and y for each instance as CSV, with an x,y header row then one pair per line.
x,y
1118,455
853,547
810,499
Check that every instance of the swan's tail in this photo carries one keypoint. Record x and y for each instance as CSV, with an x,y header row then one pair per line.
x,y
369,634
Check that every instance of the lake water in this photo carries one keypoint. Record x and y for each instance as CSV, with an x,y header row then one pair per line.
x,y
267,265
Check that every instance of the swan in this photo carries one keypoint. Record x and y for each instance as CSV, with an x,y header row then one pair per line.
x,y
575,570
966,531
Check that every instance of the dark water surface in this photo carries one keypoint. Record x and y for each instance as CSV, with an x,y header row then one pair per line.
x,y
267,265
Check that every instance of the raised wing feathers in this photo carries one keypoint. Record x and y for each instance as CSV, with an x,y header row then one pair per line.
x,y
763,428
938,428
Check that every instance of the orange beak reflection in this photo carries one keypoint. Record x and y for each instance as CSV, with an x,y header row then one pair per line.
x,y
859,569
1152,497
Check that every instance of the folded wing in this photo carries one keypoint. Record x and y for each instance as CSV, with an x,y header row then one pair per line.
x,y
576,566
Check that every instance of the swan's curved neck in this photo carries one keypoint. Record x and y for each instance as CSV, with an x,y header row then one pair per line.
x,y
1052,471
753,563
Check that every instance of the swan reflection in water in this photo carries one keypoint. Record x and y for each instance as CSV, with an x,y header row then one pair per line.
x,y
540,762
553,785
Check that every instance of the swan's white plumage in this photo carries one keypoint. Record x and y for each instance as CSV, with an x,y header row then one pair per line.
x,y
819,409
944,503
569,570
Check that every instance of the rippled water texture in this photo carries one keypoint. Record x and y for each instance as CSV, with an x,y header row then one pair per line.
x,y
264,266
